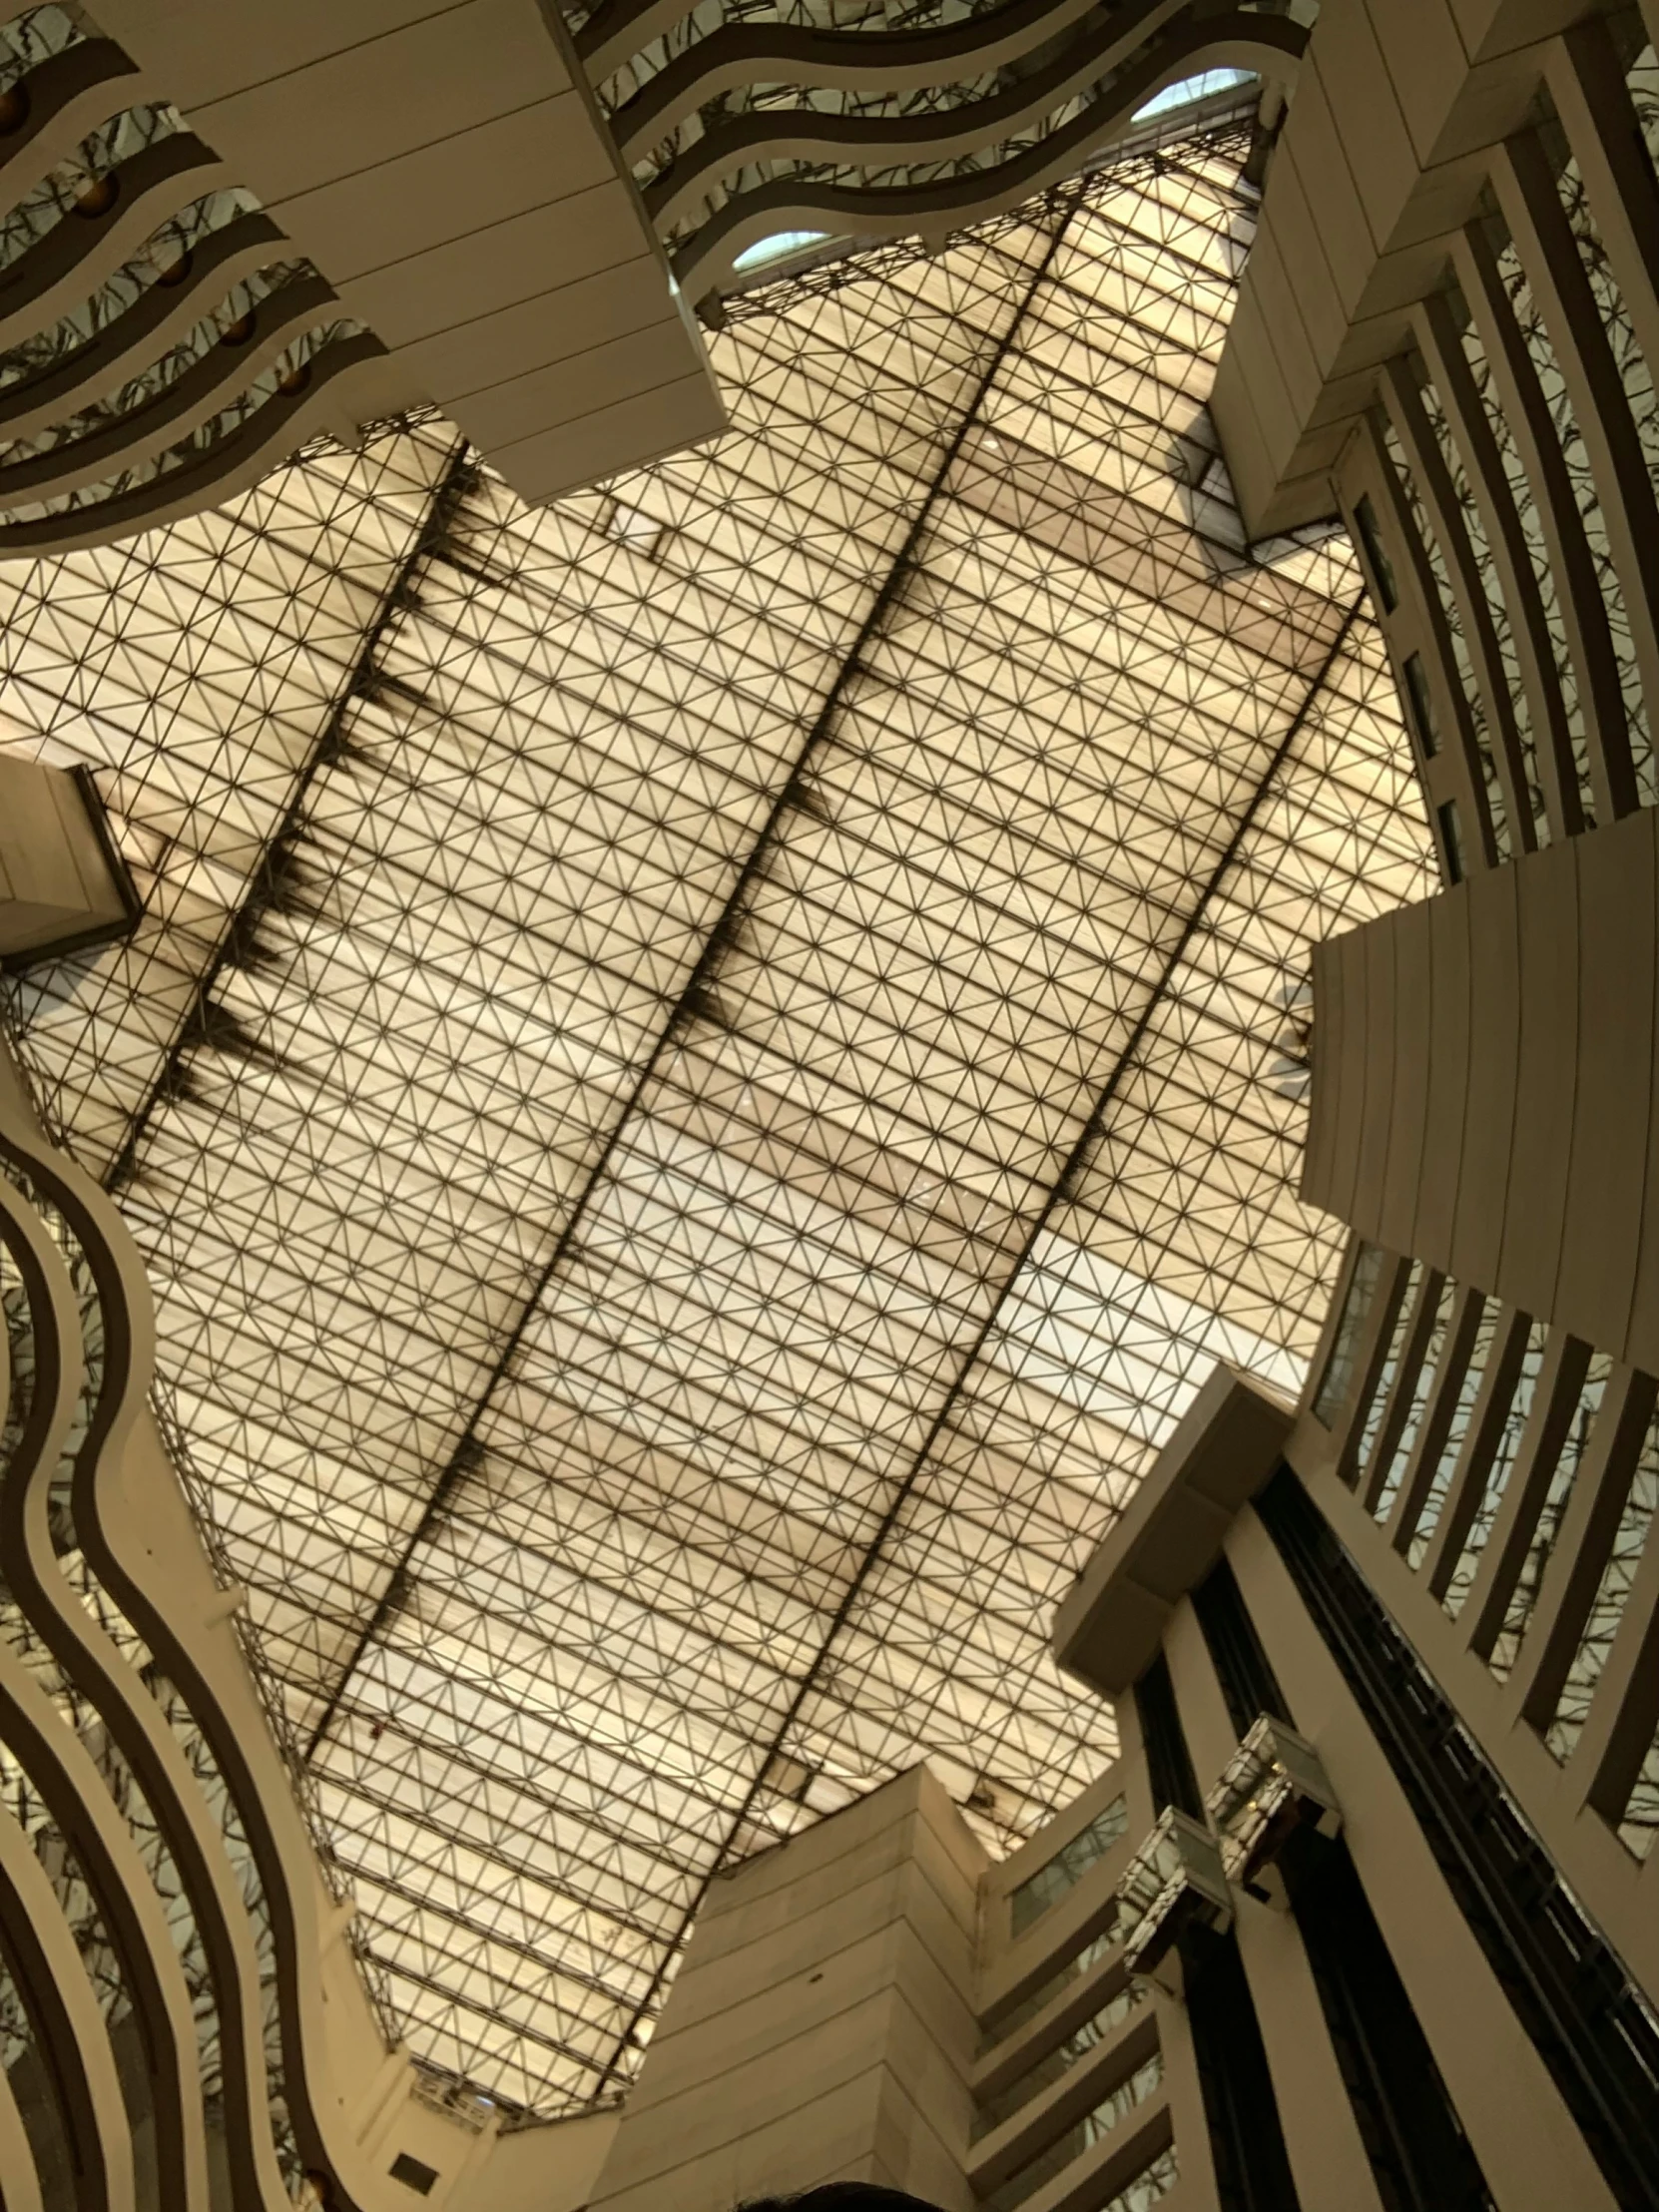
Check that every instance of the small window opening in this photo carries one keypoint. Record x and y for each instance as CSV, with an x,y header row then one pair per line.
x,y
1452,839
1371,539
1420,705
413,2175
1338,1380
1204,86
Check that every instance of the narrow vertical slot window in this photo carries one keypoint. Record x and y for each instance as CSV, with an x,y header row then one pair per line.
x,y
1460,669
1607,1606
1377,556
1357,1302
1497,1474
1390,1367
1422,1385
1635,374
1641,1814
1640,1823
1420,705
1457,1431
1587,498
1542,566
1452,839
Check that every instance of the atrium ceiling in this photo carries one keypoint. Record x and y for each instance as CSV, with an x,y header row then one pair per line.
x,y
708,1068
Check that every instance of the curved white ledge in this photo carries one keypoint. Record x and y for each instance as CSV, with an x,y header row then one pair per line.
x,y
887,212
856,142
271,434
70,95
68,2027
139,1542
58,272
137,338
894,60
59,1766
17,2157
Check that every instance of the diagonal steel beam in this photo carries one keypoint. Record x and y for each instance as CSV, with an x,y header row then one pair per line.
x,y
695,994
1076,1160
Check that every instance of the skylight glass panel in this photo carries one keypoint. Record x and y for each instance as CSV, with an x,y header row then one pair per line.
x,y
696,1120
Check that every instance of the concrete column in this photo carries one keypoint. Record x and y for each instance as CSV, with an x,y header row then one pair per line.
x,y
822,2028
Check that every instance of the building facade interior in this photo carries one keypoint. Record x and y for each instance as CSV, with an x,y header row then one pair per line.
x,y
828,1102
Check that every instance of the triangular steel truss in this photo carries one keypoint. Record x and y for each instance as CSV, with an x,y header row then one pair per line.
x,y
707,1070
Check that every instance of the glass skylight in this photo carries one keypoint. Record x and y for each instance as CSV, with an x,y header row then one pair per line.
x,y
778,248
695,1122
1190,90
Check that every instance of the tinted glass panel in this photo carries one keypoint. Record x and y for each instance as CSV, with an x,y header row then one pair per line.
x,y
1382,568
1067,1866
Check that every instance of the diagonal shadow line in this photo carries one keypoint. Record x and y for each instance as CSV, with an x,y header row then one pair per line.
x,y
454,480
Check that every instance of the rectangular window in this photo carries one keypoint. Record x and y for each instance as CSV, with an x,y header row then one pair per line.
x,y
1636,1518
1497,1474
1452,839
1457,1431
1390,1367
1361,1296
1524,1596
1371,539
1151,2183
1423,1385
1640,1823
1420,705
1008,2023
1067,1866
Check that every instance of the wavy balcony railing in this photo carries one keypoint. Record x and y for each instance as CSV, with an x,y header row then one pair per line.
x,y
739,123
160,345
162,1924
112,1775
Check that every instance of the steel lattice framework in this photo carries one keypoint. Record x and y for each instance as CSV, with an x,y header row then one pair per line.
x,y
707,1070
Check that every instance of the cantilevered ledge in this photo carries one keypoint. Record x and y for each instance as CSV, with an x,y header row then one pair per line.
x,y
1108,1631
